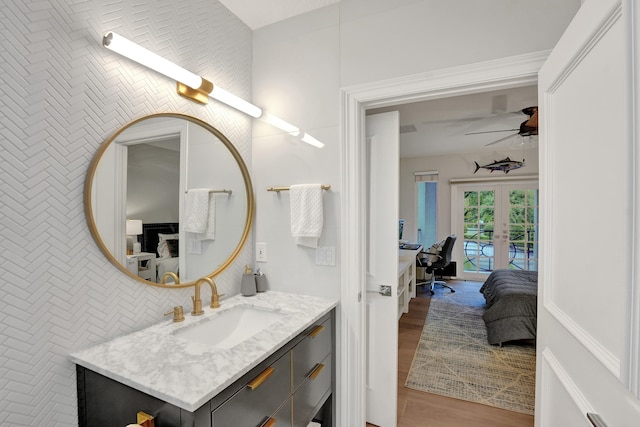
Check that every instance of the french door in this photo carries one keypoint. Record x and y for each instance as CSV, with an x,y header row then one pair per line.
x,y
499,222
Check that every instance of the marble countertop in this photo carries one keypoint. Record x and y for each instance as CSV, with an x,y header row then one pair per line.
x,y
188,374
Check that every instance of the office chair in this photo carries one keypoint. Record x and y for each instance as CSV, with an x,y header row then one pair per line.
x,y
437,257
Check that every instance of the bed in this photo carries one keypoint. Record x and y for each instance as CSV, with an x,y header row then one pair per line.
x,y
162,239
511,305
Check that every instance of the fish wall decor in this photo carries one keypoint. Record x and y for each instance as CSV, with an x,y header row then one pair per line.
x,y
504,165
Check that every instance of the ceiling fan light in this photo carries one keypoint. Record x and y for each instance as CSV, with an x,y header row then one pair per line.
x,y
522,141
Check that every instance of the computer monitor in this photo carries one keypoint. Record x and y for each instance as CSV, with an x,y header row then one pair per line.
x,y
400,228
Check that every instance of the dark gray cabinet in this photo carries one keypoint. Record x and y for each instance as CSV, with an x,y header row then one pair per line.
x,y
260,397
292,387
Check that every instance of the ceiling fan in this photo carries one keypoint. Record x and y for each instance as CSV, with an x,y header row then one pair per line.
x,y
527,128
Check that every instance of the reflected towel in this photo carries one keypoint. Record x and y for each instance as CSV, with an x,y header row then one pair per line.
x,y
306,213
200,213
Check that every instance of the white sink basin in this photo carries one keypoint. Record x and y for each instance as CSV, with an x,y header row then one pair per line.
x,y
230,327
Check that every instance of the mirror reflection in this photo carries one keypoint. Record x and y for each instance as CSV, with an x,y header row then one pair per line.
x,y
169,199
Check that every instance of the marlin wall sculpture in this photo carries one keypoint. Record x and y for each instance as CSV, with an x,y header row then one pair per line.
x,y
504,165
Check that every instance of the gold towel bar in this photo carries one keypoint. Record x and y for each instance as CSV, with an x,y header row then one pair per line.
x,y
278,189
217,191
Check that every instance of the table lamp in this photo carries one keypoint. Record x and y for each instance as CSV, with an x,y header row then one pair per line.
x,y
133,228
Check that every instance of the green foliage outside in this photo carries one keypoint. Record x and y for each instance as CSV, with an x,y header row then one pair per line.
x,y
479,219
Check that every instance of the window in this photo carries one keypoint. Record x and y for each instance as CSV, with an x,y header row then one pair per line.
x,y
427,207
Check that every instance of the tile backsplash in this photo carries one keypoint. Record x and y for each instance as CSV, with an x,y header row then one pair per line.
x,y
62,95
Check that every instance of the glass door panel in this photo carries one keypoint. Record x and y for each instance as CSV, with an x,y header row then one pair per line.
x,y
500,226
479,220
523,229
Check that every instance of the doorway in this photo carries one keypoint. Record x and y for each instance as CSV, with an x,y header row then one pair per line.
x,y
509,72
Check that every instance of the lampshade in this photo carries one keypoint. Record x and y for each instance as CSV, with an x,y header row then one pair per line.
x,y
134,227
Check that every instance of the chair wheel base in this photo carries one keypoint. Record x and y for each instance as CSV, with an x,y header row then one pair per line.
x,y
443,284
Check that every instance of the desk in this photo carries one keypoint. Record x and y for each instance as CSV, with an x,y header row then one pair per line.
x,y
406,277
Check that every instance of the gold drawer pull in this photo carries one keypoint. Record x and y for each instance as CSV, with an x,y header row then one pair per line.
x,y
316,331
145,420
262,377
316,371
269,423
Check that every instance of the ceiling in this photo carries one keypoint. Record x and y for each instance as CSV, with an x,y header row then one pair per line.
x,y
435,127
440,126
259,13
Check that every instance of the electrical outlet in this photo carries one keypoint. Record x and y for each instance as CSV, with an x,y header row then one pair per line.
x,y
261,252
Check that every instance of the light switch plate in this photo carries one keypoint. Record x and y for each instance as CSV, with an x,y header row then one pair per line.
x,y
326,255
261,252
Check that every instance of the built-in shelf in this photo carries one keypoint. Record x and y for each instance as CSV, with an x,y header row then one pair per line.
x,y
406,283
406,278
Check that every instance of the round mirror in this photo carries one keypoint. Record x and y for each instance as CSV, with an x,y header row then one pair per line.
x,y
169,197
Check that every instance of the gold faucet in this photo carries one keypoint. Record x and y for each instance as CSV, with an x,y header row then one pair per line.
x,y
197,302
174,276
178,316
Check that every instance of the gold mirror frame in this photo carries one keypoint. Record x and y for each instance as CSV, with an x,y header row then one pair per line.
x,y
88,207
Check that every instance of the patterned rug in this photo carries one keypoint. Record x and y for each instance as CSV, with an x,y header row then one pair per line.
x,y
454,359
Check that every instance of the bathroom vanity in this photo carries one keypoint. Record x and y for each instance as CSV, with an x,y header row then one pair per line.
x,y
186,374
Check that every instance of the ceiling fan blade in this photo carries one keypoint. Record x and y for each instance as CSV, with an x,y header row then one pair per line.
x,y
492,131
501,139
533,121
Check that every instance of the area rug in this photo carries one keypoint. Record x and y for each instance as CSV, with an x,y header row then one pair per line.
x,y
454,359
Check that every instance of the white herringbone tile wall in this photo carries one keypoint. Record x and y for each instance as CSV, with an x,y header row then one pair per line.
x,y
62,95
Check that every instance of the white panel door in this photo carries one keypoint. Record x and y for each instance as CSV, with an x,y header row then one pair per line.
x,y
587,336
383,137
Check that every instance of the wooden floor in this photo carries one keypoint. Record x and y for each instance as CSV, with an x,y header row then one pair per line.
x,y
419,409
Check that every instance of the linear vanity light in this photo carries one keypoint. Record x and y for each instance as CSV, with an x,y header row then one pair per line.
x,y
291,129
281,124
189,84
312,141
196,88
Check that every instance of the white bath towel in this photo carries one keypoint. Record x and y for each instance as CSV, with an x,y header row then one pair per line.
x,y
200,213
306,213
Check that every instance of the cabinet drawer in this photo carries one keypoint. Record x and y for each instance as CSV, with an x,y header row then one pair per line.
x,y
310,395
311,350
282,418
258,399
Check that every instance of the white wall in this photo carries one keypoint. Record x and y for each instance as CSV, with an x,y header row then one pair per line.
x,y
62,95
296,77
453,167
300,65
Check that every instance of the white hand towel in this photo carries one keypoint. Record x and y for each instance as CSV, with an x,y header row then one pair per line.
x,y
200,213
210,230
306,213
